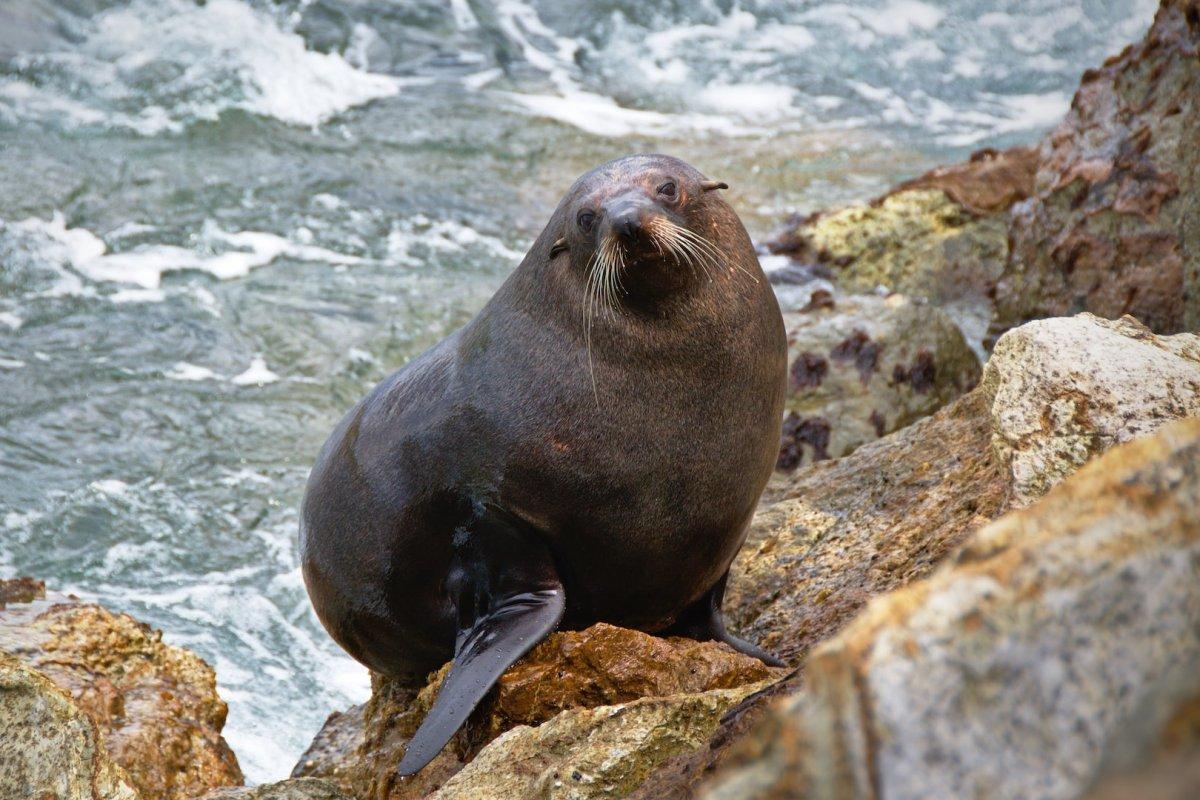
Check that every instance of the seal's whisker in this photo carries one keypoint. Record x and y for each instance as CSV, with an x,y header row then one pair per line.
x,y
697,251
709,247
588,313
666,232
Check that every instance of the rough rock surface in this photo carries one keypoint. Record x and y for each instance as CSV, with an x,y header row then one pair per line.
x,y
841,532
862,366
942,236
157,705
570,671
1061,645
1056,393
291,789
1114,225
48,747
592,752
1066,389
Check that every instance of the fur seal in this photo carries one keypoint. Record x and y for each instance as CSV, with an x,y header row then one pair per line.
x,y
590,447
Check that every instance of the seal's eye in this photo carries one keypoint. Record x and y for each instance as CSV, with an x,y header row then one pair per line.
x,y
667,189
585,220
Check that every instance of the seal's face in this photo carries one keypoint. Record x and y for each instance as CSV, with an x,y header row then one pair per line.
x,y
634,228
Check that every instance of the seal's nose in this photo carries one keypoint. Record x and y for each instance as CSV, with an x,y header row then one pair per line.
x,y
628,223
628,213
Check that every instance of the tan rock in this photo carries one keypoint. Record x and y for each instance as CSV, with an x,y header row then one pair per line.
x,y
591,752
1061,645
601,666
862,366
843,531
291,789
156,704
49,748
1066,389
1056,393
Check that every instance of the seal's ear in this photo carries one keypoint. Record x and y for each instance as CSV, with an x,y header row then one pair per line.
x,y
708,186
558,247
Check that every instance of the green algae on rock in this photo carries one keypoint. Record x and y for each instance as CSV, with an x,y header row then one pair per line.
x,y
942,236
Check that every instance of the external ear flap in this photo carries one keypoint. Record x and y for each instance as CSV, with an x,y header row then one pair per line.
x,y
558,247
708,186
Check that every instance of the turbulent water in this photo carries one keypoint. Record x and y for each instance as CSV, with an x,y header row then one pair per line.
x,y
222,222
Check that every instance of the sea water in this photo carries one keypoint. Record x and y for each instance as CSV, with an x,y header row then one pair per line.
x,y
222,222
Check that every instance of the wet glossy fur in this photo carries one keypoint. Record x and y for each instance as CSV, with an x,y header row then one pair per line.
x,y
638,486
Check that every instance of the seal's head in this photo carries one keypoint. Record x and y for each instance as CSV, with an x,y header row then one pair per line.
x,y
641,227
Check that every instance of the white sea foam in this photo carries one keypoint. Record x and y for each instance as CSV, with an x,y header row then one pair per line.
x,y
409,237
183,371
205,58
257,374
11,363
137,296
145,265
14,321
110,486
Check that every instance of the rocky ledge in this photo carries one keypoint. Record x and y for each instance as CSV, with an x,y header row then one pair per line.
x,y
121,702
984,577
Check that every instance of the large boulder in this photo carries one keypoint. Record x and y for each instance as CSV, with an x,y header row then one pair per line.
x,y
1056,393
1114,224
862,366
157,705
1059,646
1065,389
49,748
569,673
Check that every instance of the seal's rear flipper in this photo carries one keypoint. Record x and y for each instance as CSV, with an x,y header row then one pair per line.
x,y
508,599
702,620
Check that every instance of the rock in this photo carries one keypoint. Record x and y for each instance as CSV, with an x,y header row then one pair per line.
x,y
991,181
863,366
157,705
1114,224
942,236
573,670
1055,393
49,748
1061,645
1175,777
843,531
598,752
1067,389
21,590
290,789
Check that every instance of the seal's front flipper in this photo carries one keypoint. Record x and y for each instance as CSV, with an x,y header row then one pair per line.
x,y
508,597
703,620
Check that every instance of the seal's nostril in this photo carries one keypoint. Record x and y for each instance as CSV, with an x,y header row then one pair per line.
x,y
628,226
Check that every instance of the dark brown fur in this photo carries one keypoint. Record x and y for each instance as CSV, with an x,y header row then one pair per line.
x,y
637,470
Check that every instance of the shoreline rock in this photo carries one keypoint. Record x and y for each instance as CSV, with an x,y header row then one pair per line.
x,y
570,673
156,705
1060,645
862,366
